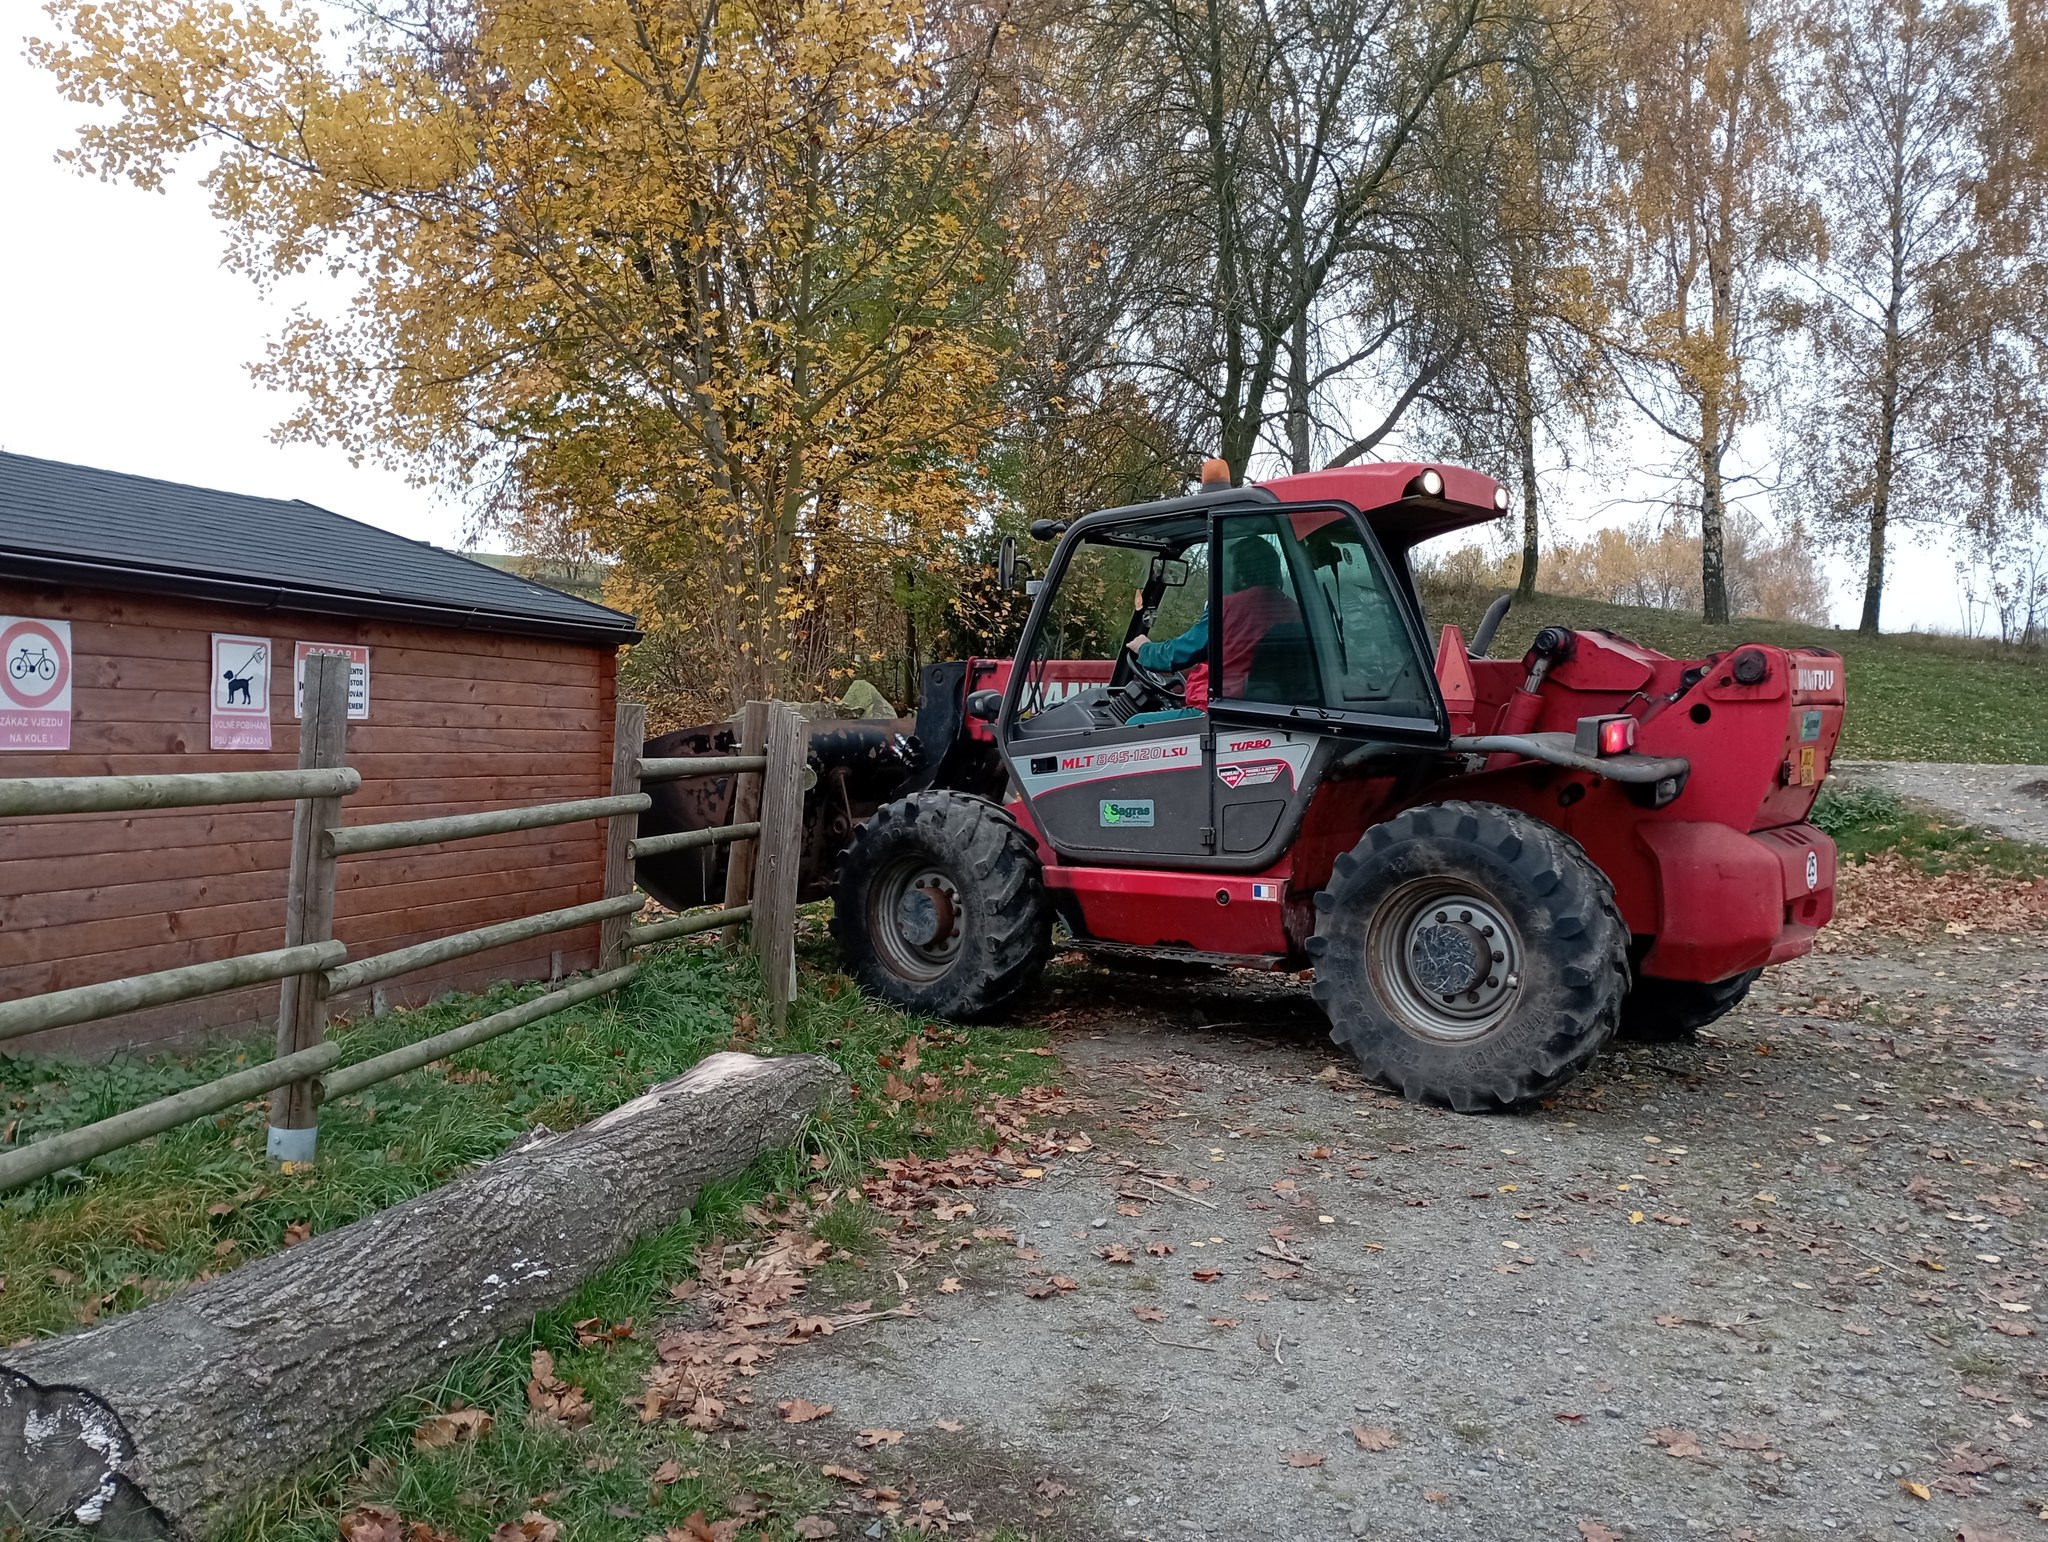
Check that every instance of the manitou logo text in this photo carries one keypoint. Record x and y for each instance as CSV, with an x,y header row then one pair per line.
x,y
1816,679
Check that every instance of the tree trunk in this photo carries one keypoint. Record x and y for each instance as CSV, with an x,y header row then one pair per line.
x,y
164,1422
1713,568
1525,443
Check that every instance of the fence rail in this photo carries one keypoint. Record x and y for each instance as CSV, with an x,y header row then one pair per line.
x,y
313,967
185,789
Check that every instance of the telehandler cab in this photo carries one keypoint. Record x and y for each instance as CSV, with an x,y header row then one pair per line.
x,y
1490,865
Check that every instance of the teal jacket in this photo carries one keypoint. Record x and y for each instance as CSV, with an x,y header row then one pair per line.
x,y
1191,647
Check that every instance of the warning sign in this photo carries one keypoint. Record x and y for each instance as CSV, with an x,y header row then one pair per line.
x,y
35,684
241,692
358,676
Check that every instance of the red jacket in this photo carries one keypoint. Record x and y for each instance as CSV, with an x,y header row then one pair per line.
x,y
1248,615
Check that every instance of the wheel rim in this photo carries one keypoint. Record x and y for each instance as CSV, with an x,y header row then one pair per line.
x,y
915,919
1445,959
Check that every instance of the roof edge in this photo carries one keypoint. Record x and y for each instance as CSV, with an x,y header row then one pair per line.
x,y
40,567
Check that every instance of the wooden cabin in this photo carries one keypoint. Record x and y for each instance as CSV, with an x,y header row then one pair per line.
x,y
150,627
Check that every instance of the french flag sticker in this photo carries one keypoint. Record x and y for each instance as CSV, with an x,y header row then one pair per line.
x,y
1265,891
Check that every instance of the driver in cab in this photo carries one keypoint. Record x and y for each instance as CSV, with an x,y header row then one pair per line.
x,y
1253,607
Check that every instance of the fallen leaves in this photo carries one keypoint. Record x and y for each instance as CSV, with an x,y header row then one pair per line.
x,y
380,1523
533,1526
843,1474
549,1397
1679,1443
869,1440
1756,1445
1886,893
800,1410
1148,1314
1207,1275
1374,1437
451,1428
1304,1459
1593,1531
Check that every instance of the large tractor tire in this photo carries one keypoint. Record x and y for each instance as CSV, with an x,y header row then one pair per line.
x,y
1667,1011
1470,955
940,907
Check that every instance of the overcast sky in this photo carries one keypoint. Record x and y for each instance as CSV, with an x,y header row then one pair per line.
x,y
127,346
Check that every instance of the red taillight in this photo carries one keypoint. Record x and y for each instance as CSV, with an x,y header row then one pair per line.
x,y
1614,735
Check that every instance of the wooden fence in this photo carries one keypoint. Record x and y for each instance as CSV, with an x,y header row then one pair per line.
x,y
313,967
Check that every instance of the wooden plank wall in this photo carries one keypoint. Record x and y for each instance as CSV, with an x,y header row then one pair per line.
x,y
459,721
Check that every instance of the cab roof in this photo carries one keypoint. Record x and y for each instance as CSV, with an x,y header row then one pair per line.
x,y
1387,494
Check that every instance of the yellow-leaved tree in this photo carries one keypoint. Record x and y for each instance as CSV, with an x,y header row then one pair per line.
x,y
712,288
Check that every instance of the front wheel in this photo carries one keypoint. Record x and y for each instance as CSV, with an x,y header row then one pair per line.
x,y
940,907
1471,955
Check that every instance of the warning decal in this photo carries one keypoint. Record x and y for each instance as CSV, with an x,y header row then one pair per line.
x,y
358,657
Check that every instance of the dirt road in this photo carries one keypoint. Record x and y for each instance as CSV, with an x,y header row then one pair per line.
x,y
1782,1283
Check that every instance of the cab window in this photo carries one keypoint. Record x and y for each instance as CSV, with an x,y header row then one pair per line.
x,y
1324,629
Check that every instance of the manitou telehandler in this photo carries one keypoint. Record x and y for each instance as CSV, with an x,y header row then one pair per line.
x,y
1491,865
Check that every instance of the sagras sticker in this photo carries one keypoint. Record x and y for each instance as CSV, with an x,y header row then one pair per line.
x,y
1126,811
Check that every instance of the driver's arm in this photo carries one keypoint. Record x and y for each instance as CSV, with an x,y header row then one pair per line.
x,y
1170,653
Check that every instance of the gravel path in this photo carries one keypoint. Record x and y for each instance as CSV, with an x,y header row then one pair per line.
x,y
1748,1288
2012,800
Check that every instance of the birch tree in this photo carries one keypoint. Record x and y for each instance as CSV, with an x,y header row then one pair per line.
x,y
1704,214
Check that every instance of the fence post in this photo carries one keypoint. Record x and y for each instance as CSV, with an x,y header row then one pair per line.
x,y
309,905
781,854
740,856
629,733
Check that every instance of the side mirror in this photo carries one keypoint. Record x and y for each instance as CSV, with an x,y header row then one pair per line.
x,y
1170,571
983,706
1006,564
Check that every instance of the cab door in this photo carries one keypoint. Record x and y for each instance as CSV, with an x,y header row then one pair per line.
x,y
1341,668
1108,783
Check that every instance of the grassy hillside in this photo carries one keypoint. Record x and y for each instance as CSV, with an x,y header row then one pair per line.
x,y
585,580
1911,696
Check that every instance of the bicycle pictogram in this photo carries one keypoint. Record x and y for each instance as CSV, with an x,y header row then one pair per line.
x,y
40,665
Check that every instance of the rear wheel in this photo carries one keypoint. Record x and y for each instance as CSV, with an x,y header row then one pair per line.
x,y
1665,1011
940,907
1471,955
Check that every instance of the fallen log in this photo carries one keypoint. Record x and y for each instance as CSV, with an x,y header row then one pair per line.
x,y
165,1422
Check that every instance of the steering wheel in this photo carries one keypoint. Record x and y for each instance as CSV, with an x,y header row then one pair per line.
x,y
1126,661
1172,683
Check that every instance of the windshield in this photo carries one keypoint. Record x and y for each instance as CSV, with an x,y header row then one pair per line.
x,y
1105,582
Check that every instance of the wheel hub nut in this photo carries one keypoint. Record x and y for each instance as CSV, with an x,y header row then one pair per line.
x,y
924,915
1450,957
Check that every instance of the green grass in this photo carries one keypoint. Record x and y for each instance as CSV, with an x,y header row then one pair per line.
x,y
1867,820
137,1224
1912,695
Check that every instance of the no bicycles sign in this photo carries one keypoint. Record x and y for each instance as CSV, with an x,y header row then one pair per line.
x,y
35,684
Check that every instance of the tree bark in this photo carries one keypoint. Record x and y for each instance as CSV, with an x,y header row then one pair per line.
x,y
164,1423
1713,570
1525,446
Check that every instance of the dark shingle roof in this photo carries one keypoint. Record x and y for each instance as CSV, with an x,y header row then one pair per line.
x,y
76,524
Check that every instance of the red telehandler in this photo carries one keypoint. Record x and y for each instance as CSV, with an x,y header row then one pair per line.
x,y
1491,865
